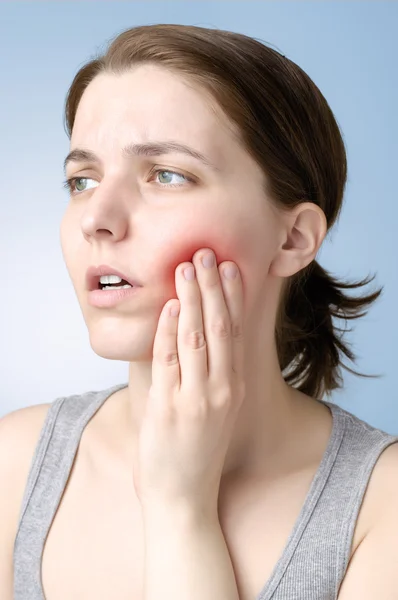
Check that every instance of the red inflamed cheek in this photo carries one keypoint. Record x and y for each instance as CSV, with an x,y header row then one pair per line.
x,y
224,249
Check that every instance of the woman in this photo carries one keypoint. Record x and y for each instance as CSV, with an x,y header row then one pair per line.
x,y
217,471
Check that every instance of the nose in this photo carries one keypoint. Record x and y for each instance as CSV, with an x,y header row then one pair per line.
x,y
104,219
113,231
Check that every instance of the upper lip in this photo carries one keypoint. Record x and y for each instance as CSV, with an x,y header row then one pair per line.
x,y
94,273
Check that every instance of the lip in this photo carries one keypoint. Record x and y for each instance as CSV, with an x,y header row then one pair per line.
x,y
94,273
110,298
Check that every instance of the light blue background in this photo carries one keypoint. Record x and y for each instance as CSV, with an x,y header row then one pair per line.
x,y
350,51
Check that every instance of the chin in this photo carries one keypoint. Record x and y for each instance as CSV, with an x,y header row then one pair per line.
x,y
122,340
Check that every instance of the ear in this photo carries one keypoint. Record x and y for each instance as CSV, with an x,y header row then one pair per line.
x,y
304,229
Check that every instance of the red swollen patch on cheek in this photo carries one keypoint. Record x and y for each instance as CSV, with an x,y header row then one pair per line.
x,y
224,251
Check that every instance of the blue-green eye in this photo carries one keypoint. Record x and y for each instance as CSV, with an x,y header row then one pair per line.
x,y
167,184
72,184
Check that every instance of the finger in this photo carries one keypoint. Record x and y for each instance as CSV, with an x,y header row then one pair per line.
x,y
217,323
165,363
191,342
233,294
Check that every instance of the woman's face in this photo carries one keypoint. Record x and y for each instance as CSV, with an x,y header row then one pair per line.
x,y
145,223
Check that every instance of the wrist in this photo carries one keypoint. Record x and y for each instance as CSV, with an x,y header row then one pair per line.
x,y
179,514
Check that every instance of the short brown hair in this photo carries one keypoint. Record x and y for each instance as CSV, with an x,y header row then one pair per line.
x,y
288,128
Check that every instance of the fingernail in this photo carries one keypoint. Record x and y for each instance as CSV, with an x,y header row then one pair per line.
x,y
230,272
208,260
189,273
174,310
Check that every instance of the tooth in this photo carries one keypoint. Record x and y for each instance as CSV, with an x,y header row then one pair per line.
x,y
116,287
104,279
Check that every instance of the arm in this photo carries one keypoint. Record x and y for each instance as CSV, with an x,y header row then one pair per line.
x,y
186,556
373,570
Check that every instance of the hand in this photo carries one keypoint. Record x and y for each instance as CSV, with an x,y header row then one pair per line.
x,y
196,392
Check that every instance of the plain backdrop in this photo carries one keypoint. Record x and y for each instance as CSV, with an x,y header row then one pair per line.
x,y
350,50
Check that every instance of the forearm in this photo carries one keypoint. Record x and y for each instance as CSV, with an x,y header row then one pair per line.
x,y
186,556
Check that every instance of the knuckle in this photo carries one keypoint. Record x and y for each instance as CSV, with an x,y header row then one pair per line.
x,y
198,409
220,327
212,283
223,398
195,339
166,356
237,331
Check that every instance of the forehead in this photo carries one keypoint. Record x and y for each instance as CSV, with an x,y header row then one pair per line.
x,y
150,103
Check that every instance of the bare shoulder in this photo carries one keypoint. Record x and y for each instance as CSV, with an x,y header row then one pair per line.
x,y
26,420
381,496
372,570
385,479
19,434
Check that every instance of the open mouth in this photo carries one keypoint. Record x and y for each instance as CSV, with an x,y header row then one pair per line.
x,y
106,277
123,284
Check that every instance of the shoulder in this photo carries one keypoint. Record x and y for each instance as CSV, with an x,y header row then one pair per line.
x,y
372,570
381,495
19,434
19,431
381,466
384,484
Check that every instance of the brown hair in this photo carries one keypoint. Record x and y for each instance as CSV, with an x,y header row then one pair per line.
x,y
287,126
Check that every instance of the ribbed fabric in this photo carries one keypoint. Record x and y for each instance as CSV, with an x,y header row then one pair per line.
x,y
314,561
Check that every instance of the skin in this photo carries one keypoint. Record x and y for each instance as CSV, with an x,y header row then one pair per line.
x,y
134,220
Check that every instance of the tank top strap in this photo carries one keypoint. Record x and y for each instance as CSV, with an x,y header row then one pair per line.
x,y
316,557
49,472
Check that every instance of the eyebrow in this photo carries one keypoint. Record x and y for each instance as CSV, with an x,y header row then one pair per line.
x,y
148,149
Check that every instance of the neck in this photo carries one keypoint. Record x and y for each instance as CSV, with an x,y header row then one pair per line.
x,y
264,427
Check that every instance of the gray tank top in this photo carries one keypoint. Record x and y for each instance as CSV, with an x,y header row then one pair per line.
x,y
315,558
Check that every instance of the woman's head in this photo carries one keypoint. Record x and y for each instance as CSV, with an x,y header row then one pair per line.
x,y
272,187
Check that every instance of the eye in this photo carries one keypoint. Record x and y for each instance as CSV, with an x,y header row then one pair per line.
x,y
167,184
72,184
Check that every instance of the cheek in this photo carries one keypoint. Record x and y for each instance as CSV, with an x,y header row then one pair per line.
x,y
65,241
224,247
75,250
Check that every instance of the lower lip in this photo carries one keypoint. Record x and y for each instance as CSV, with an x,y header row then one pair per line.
x,y
109,298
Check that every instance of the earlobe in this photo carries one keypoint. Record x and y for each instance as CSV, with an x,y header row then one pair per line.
x,y
306,229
